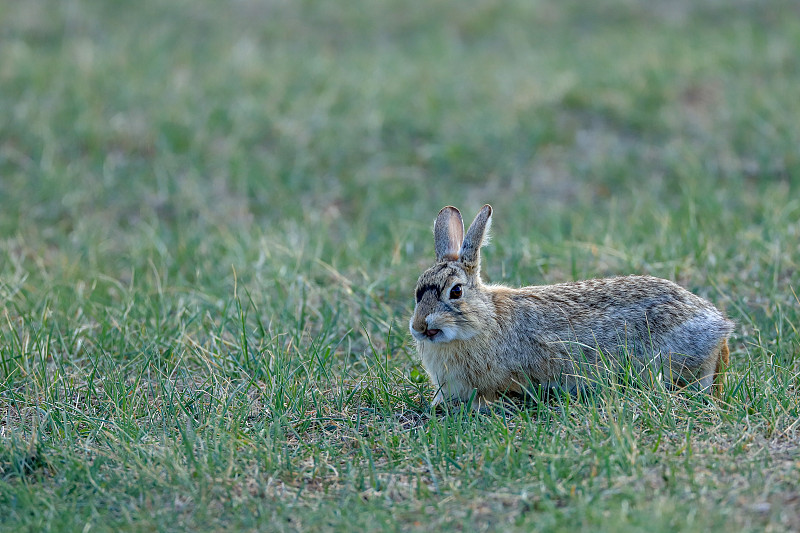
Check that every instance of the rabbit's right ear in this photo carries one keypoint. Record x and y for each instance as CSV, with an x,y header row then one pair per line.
x,y
477,236
448,234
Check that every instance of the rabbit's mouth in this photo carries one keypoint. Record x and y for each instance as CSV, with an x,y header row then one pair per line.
x,y
439,335
431,333
436,331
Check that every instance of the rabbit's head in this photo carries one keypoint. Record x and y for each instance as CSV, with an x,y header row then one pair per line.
x,y
451,303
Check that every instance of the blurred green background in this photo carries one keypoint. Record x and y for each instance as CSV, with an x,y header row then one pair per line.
x,y
185,125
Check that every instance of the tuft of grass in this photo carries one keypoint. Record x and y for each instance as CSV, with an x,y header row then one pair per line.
x,y
212,217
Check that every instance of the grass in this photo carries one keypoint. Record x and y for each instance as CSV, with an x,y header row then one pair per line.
x,y
212,217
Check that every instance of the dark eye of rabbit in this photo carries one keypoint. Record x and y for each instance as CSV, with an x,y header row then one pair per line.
x,y
455,292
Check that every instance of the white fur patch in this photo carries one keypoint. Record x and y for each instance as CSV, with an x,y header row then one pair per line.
x,y
487,233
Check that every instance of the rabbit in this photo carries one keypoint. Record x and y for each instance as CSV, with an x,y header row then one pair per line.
x,y
489,340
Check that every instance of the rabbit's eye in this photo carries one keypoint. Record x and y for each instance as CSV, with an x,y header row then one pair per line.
x,y
455,292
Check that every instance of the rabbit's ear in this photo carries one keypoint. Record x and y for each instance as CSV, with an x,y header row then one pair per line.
x,y
477,236
448,233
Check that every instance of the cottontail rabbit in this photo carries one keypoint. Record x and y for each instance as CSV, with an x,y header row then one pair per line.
x,y
493,339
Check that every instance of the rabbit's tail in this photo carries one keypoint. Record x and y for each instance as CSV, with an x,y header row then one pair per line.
x,y
723,361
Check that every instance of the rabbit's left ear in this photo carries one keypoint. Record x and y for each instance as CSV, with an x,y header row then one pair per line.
x,y
477,235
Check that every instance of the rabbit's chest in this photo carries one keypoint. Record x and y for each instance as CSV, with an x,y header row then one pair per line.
x,y
463,369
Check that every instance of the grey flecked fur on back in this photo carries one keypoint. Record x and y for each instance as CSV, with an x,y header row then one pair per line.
x,y
648,318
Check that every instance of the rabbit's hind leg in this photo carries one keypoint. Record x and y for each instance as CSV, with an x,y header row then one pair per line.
x,y
711,374
708,375
723,361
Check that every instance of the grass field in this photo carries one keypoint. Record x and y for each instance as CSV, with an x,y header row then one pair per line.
x,y
213,215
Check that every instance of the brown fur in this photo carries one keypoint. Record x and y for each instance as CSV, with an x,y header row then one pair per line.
x,y
723,362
